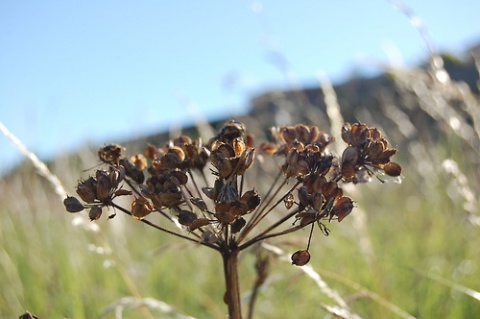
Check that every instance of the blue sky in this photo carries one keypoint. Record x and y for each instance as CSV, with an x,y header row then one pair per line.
x,y
73,72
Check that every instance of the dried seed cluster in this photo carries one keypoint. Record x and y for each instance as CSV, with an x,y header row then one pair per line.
x,y
367,152
218,212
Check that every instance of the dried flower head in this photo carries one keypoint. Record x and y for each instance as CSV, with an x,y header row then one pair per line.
x,y
203,189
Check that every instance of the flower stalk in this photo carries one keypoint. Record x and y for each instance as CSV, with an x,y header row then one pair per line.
x,y
232,288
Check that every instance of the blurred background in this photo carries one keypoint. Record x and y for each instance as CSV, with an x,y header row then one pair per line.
x,y
77,75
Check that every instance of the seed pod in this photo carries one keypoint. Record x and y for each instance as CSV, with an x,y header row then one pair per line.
x,y
228,150
179,178
359,134
238,146
170,199
303,133
393,169
307,217
343,207
28,315
347,133
238,208
151,152
225,217
87,190
301,257
139,161
289,201
104,185
182,140
221,163
384,158
246,160
349,160
141,207
123,192
288,134
329,189
238,224
303,196
314,134
110,153
251,199
95,213
374,133
373,150
317,201
197,223
230,131
177,153
350,155
117,174
72,204
132,171
348,170
186,217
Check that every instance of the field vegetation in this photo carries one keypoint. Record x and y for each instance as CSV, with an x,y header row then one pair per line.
x,y
408,250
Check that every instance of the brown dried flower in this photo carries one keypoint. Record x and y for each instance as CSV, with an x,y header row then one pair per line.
x,y
204,189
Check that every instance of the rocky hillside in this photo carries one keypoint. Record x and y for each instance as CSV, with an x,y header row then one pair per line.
x,y
422,105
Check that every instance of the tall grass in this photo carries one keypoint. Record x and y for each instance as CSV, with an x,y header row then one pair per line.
x,y
422,255
411,251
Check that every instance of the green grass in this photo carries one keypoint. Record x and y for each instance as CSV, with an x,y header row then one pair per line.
x,y
416,236
412,250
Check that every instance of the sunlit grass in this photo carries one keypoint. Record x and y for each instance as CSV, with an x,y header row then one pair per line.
x,y
48,267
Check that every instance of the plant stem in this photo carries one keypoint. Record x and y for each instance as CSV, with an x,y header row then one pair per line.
x,y
232,293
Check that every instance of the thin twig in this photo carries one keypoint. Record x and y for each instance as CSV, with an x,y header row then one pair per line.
x,y
149,223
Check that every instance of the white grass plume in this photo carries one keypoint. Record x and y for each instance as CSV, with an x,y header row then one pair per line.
x,y
41,168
